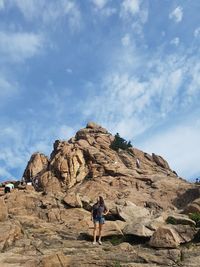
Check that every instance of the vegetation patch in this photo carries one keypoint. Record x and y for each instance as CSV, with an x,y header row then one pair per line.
x,y
120,143
195,217
171,220
117,264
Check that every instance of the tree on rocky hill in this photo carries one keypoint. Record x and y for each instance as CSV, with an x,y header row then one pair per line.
x,y
120,142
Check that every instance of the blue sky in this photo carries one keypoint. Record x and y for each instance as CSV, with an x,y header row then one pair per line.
x,y
130,65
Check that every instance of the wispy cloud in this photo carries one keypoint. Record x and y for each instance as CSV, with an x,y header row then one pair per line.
x,y
19,46
99,3
19,141
135,101
103,8
7,88
178,145
126,40
175,41
1,4
49,12
130,7
197,32
177,14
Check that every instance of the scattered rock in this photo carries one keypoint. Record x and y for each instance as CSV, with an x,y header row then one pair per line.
x,y
160,161
3,210
73,200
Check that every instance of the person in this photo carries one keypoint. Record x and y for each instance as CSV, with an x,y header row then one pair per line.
x,y
99,210
138,163
8,187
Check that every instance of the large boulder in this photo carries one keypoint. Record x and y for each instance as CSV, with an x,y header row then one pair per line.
x,y
171,236
49,183
112,228
130,212
160,161
69,165
137,229
37,165
73,200
193,207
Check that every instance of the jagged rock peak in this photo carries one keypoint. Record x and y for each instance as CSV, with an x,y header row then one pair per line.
x,y
93,125
87,163
38,163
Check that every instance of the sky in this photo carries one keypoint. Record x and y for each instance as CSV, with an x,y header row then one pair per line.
x,y
132,66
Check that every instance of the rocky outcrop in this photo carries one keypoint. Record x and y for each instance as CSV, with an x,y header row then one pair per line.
x,y
37,165
130,212
87,165
171,236
160,161
51,229
193,207
51,225
73,201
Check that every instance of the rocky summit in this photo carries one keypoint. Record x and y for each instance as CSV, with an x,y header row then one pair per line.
x,y
152,219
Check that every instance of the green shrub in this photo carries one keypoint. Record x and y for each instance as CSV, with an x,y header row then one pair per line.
x,y
117,264
120,142
116,240
171,220
195,217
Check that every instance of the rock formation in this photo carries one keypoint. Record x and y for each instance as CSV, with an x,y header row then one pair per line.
x,y
87,165
48,224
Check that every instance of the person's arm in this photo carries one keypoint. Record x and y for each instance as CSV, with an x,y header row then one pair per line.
x,y
106,211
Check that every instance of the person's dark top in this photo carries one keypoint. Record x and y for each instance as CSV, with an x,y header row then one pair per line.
x,y
98,210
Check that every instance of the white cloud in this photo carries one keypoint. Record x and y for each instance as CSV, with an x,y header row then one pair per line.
x,y
19,140
5,175
1,4
197,32
7,88
175,41
130,7
99,4
177,14
178,144
69,71
126,40
135,98
19,46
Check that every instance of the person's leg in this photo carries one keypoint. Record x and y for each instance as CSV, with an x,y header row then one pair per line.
x,y
7,190
95,233
100,231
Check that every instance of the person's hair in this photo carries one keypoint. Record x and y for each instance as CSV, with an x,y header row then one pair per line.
x,y
101,201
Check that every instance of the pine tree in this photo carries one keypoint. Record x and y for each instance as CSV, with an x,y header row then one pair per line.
x,y
120,142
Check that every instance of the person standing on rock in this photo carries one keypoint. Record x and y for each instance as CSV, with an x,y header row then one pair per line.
x,y
99,210
8,188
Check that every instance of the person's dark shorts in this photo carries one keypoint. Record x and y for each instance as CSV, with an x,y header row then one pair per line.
x,y
7,189
100,220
